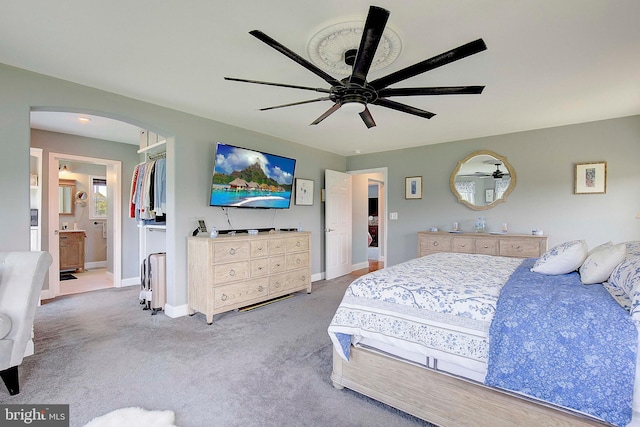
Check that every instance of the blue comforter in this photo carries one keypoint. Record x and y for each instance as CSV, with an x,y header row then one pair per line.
x,y
563,342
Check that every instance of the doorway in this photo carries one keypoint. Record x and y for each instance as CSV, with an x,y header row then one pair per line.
x,y
111,227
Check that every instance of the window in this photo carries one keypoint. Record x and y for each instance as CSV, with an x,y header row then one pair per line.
x,y
97,197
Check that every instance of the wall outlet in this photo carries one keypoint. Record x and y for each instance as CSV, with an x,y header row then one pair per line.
x,y
393,215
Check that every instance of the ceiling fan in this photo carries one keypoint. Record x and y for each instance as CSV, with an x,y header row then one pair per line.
x,y
496,174
355,93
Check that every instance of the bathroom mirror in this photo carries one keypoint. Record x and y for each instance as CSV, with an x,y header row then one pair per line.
x,y
482,180
66,194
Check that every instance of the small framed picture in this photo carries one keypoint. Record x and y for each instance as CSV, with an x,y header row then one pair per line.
x,y
488,196
413,187
590,178
304,192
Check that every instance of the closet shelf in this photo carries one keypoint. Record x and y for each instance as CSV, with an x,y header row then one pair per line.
x,y
156,148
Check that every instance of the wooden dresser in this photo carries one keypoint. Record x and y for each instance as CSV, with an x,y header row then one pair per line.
x,y
230,272
72,250
510,245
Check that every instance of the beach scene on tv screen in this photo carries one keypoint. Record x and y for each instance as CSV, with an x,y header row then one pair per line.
x,y
248,178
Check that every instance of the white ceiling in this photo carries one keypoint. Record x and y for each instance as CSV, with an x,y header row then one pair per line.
x,y
548,62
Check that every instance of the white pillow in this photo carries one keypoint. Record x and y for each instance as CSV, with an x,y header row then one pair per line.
x,y
562,259
600,263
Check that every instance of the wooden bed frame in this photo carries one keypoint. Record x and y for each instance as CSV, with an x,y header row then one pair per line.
x,y
442,399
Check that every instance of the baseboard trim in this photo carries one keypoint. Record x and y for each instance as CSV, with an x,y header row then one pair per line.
x,y
176,311
317,276
360,266
95,264
131,281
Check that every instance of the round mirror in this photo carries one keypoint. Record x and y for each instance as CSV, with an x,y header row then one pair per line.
x,y
482,180
81,195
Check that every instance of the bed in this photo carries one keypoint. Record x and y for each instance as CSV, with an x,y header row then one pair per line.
x,y
417,337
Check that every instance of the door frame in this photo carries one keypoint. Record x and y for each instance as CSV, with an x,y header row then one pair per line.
x,y
382,240
114,200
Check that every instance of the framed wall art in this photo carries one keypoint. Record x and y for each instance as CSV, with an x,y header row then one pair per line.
x,y
413,187
590,178
304,192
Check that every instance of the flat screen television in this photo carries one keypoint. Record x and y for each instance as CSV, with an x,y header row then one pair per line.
x,y
245,178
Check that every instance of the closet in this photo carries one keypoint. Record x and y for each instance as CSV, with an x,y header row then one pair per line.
x,y
151,231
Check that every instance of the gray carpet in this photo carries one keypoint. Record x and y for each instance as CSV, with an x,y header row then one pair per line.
x,y
99,351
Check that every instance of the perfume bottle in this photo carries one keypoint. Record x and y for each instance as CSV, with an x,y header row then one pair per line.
x,y
480,225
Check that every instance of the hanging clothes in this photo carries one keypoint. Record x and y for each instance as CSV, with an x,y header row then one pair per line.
x,y
148,192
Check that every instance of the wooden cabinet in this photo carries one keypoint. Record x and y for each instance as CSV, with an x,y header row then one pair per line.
x,y
510,245
72,250
230,272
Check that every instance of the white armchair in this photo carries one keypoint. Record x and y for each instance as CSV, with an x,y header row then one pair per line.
x,y
22,275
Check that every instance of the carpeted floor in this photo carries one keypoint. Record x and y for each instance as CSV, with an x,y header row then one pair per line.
x,y
99,351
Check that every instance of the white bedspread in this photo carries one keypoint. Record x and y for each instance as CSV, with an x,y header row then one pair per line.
x,y
439,304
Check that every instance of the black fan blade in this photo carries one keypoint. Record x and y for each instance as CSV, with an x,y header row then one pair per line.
x,y
326,114
294,56
233,79
449,90
367,118
326,98
431,63
371,35
403,107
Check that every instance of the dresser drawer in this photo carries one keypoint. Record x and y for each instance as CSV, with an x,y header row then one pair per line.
x,y
240,294
487,246
435,243
259,267
230,251
276,246
293,280
464,245
298,243
224,273
297,260
277,264
259,248
520,248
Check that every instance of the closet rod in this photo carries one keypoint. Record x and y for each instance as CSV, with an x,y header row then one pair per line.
x,y
158,156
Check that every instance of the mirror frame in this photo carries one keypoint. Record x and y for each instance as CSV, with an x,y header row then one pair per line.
x,y
72,184
512,173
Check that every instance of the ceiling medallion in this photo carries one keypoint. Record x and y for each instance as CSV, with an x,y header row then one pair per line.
x,y
327,48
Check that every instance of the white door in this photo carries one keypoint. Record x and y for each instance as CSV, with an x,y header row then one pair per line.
x,y
337,234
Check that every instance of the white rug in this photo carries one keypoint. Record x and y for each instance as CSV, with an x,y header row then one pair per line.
x,y
134,417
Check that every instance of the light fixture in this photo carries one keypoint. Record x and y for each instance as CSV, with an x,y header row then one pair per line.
x,y
64,170
353,107
84,119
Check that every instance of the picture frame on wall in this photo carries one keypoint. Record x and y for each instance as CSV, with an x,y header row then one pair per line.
x,y
304,192
413,187
590,178
488,196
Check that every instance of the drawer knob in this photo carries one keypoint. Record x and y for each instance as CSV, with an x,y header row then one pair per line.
x,y
486,246
298,260
463,245
232,251
278,265
260,289
435,243
277,284
223,297
232,273
259,268
298,244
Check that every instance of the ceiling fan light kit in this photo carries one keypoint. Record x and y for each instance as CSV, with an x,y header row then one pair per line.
x,y
336,49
